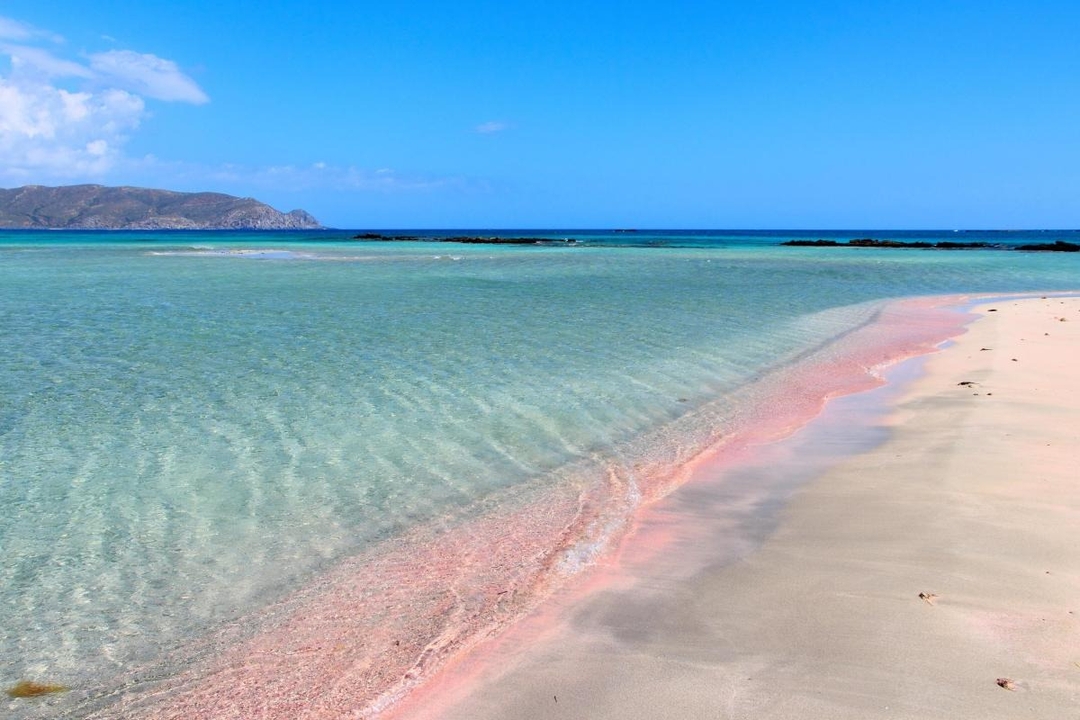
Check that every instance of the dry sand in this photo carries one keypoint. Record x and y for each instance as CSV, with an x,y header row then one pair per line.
x,y
972,499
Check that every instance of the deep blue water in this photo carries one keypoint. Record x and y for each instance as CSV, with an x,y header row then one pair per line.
x,y
623,237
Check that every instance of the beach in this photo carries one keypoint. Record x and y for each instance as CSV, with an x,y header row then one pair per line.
x,y
273,479
512,361
933,573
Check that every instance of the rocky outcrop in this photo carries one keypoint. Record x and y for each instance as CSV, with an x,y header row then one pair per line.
x,y
871,242
466,239
96,207
1056,246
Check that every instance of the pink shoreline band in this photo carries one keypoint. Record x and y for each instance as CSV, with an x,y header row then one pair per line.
x,y
362,638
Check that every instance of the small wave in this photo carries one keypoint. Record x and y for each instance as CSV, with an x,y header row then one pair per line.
x,y
265,254
255,254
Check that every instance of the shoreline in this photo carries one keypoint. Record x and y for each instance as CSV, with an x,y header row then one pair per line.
x,y
965,497
308,655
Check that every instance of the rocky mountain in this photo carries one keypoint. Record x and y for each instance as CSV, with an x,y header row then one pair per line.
x,y
96,207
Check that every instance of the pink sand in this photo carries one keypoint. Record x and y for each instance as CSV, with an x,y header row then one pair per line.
x,y
369,638
933,574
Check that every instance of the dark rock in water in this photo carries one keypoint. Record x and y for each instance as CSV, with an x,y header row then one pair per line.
x,y
1056,246
949,245
871,242
96,207
386,238
465,239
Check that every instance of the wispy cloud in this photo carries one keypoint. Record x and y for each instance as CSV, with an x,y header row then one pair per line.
x,y
64,118
26,59
292,178
147,75
316,176
491,126
19,31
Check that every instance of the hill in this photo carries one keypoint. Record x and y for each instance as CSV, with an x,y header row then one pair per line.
x,y
96,207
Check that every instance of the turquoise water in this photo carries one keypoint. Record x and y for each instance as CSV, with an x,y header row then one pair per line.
x,y
191,425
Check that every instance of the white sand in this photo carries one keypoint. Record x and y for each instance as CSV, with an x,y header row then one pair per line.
x,y
974,498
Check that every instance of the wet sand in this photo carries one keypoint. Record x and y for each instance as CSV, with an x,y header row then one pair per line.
x,y
803,600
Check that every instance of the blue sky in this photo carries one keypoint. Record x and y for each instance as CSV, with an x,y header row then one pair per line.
x,y
561,114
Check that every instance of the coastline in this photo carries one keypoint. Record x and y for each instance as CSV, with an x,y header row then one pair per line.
x,y
377,633
347,645
968,500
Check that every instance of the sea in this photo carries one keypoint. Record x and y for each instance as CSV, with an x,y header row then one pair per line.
x,y
199,427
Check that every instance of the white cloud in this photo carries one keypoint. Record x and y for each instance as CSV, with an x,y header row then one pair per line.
x,y
25,59
491,126
51,132
63,119
148,75
19,31
68,117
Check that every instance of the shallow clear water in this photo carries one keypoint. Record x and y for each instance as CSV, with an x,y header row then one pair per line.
x,y
191,425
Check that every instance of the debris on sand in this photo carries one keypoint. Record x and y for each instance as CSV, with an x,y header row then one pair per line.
x,y
28,688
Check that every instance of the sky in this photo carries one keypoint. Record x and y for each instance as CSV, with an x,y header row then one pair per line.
x,y
584,114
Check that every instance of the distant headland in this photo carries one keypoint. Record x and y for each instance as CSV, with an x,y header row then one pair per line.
x,y
97,207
